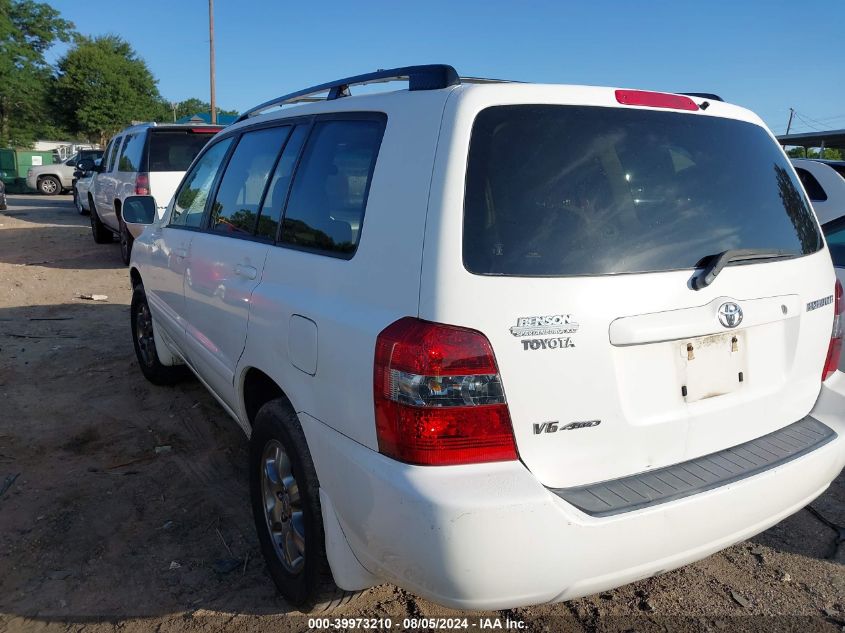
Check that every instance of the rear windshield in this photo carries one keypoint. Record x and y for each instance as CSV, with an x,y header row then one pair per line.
x,y
574,190
174,150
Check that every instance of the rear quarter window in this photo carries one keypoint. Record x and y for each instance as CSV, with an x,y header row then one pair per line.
x,y
132,153
325,210
575,190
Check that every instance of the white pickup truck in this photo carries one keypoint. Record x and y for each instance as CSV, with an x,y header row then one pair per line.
x,y
53,179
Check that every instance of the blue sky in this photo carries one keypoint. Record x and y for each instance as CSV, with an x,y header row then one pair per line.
x,y
767,55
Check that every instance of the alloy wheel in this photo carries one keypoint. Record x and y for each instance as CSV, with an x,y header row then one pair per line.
x,y
283,507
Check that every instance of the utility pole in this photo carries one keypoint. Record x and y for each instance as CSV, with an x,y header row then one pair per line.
x,y
788,124
211,59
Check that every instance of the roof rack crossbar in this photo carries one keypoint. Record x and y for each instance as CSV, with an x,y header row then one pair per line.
x,y
703,95
426,77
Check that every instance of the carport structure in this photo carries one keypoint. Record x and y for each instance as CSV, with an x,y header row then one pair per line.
x,y
821,140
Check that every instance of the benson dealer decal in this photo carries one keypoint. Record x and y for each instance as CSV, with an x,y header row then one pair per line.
x,y
535,326
819,303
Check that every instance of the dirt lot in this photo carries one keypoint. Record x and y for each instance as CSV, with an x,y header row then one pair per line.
x,y
129,510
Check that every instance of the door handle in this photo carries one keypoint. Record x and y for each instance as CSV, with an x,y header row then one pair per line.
x,y
180,252
244,270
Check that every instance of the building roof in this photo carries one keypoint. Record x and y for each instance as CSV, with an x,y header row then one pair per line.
x,y
205,117
829,138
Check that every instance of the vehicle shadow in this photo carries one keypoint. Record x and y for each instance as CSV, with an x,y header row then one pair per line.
x,y
67,246
126,499
44,210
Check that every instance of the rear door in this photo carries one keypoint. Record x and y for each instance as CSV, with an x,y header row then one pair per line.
x,y
227,260
581,230
169,152
107,186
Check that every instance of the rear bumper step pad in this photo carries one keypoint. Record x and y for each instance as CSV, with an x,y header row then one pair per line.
x,y
662,485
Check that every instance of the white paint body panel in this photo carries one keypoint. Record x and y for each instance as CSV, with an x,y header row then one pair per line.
x,y
438,531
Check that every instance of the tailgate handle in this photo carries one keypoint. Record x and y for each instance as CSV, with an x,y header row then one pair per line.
x,y
250,272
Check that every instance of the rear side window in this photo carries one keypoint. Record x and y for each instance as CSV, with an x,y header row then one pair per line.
x,y
329,193
235,208
189,203
575,190
132,154
812,186
274,201
839,169
174,150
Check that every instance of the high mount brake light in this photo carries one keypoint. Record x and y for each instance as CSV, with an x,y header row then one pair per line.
x,y
655,99
834,350
438,396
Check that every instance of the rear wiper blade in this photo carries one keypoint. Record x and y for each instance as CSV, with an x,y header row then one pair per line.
x,y
718,261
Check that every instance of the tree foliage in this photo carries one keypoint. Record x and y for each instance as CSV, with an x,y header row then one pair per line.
x,y
102,86
193,106
830,153
27,30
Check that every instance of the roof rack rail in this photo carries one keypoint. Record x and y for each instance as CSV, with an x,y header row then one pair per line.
x,y
426,77
703,95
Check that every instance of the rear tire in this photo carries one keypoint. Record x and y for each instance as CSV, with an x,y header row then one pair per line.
x,y
144,342
49,186
126,242
101,234
290,532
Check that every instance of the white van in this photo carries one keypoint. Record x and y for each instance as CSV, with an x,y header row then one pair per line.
x,y
499,343
146,159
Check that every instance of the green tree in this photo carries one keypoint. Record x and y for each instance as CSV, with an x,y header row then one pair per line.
x,y
830,153
102,86
192,106
27,30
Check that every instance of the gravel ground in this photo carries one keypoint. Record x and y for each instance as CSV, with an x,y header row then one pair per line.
x,y
128,505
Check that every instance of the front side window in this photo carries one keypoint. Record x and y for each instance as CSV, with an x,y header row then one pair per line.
x,y
325,211
190,199
235,208
577,190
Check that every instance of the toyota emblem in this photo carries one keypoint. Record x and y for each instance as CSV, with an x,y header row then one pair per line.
x,y
730,314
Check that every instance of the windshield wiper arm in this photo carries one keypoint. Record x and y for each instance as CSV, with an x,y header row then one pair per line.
x,y
720,260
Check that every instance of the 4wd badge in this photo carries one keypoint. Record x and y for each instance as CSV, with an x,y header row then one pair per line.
x,y
544,325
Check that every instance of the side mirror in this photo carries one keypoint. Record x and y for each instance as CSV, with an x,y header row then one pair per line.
x,y
79,174
86,164
139,211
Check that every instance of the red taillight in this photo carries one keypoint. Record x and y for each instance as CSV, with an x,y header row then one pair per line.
x,y
205,130
834,350
142,184
655,99
438,396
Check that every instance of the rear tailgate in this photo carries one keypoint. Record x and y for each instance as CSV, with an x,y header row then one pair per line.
x,y
170,151
584,227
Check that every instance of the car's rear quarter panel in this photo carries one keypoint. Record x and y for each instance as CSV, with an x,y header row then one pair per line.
x,y
351,301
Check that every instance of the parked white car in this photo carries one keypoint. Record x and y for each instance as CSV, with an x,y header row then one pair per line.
x,y
54,179
82,185
499,344
824,182
146,159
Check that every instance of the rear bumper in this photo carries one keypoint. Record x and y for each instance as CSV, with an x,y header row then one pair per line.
x,y
491,536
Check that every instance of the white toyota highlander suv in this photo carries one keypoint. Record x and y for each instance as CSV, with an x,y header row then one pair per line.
x,y
499,343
